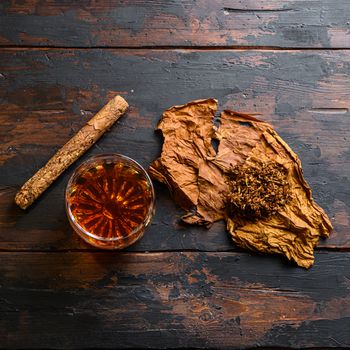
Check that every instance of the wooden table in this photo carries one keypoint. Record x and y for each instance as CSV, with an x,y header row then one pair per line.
x,y
180,286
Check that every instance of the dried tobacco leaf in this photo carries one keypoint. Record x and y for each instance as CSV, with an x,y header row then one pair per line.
x,y
195,182
199,179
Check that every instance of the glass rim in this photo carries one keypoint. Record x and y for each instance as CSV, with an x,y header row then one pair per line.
x,y
78,171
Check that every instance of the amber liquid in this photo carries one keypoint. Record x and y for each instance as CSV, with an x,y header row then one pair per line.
x,y
111,200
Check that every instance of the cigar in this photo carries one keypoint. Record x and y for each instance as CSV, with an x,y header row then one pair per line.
x,y
71,151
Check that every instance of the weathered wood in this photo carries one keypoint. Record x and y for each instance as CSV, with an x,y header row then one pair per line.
x,y
158,300
53,298
277,23
47,95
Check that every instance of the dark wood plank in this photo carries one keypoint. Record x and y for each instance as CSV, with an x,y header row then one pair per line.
x,y
277,23
47,95
159,300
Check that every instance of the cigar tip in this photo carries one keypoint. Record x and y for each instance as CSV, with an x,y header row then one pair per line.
x,y
21,201
120,101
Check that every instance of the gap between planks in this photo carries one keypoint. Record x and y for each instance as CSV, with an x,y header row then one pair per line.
x,y
159,251
174,47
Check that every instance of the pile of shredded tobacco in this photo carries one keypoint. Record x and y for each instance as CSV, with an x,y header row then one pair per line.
x,y
257,191
253,180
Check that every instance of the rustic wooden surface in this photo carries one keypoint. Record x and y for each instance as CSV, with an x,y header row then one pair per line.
x,y
172,299
180,286
213,23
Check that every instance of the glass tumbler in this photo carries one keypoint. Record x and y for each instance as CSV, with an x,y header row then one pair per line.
x,y
110,201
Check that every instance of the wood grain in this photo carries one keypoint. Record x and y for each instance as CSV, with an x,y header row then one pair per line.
x,y
159,300
180,286
47,95
215,23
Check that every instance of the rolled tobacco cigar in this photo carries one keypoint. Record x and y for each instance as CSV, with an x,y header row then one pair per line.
x,y
71,151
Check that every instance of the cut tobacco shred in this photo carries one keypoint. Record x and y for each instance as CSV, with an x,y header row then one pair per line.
x,y
204,182
257,191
